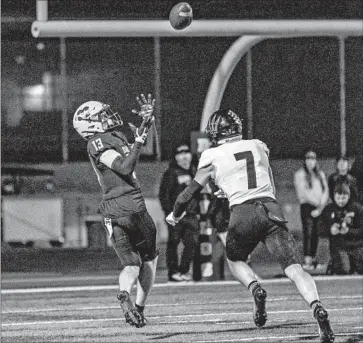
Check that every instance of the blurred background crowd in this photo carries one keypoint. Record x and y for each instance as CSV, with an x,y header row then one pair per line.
x,y
296,84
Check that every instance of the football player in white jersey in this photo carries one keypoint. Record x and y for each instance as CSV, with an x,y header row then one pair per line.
x,y
241,169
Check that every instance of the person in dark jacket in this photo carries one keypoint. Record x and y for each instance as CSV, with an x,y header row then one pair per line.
x,y
344,220
342,175
177,177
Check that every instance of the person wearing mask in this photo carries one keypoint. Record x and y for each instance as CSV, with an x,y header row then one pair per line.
x,y
342,175
175,179
313,193
344,220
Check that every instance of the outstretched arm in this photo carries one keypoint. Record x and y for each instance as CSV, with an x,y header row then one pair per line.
x,y
202,177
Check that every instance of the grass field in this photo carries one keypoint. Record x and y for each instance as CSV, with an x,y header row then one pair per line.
x,y
197,312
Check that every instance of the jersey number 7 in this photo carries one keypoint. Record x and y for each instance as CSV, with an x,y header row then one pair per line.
x,y
250,166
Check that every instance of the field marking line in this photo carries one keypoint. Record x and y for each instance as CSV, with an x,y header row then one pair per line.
x,y
168,316
244,301
269,338
163,285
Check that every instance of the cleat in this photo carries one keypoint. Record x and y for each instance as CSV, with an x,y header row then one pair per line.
x,y
325,330
259,310
132,315
143,320
134,318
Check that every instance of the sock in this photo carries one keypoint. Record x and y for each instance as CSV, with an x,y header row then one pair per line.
x,y
314,304
140,308
125,301
253,286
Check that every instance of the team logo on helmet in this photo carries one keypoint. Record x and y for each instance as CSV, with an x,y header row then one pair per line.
x,y
93,117
224,125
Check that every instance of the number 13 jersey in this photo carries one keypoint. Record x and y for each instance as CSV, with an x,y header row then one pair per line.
x,y
241,170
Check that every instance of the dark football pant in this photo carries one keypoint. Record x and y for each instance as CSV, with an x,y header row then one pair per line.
x,y
133,238
260,220
186,231
219,213
310,230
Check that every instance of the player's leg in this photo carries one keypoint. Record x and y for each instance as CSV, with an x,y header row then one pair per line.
x,y
145,242
130,264
240,242
281,245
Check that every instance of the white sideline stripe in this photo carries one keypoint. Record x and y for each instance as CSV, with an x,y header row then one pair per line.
x,y
168,316
269,338
162,285
61,278
244,301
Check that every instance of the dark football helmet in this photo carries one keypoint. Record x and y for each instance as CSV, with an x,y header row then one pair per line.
x,y
224,125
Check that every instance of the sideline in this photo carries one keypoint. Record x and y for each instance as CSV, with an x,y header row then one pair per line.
x,y
169,284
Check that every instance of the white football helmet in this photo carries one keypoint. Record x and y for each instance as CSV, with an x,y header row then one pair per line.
x,y
93,117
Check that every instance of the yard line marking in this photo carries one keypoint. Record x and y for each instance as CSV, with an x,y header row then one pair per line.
x,y
167,316
269,338
61,278
162,285
244,301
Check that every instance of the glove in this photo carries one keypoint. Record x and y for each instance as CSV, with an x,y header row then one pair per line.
x,y
146,106
170,219
143,130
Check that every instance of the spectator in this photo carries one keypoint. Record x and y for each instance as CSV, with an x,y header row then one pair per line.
x,y
313,193
342,175
179,174
344,220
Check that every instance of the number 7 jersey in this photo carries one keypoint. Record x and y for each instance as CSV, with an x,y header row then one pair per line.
x,y
241,170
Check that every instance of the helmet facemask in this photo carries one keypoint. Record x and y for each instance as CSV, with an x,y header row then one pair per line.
x,y
109,119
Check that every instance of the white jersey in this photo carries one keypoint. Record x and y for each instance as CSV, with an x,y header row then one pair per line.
x,y
241,169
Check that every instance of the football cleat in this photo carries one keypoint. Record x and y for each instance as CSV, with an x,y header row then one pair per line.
x,y
259,308
132,315
143,321
325,330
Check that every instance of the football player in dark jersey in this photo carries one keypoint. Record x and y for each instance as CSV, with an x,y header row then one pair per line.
x,y
125,217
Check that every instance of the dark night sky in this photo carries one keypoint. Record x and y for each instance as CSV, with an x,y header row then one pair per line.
x,y
295,81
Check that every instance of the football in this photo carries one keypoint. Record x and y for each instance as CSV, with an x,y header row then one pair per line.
x,y
181,16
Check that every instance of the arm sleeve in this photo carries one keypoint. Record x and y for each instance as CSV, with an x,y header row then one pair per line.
x,y
125,162
185,197
126,165
166,189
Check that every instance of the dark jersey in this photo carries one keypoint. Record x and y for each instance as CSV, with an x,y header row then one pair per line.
x,y
121,193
